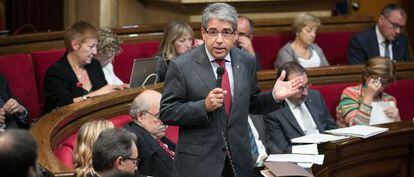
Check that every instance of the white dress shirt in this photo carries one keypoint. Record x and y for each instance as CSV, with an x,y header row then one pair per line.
x,y
297,114
229,69
110,76
381,44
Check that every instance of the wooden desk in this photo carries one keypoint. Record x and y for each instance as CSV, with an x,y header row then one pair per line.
x,y
389,154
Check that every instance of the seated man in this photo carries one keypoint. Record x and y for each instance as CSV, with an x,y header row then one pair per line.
x,y
12,113
303,113
115,149
384,39
18,154
156,151
245,36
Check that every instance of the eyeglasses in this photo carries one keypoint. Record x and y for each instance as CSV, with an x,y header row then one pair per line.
x,y
214,33
244,34
157,115
394,25
134,160
305,87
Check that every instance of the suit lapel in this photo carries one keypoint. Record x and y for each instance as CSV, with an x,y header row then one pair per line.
x,y
237,79
204,69
288,115
374,47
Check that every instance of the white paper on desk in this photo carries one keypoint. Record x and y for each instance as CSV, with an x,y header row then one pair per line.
x,y
362,131
305,149
377,113
317,138
296,158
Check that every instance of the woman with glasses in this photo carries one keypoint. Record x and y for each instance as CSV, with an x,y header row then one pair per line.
x,y
355,105
177,40
303,49
82,154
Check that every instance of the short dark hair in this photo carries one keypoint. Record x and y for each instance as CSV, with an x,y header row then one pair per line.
x,y
79,31
250,22
391,7
290,67
111,144
18,152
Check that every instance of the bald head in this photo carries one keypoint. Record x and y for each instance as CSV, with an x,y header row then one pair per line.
x,y
144,101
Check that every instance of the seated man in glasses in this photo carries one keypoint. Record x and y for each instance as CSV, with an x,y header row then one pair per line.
x,y
156,151
384,39
115,149
303,113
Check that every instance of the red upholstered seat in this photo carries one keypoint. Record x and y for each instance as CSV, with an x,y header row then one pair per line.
x,y
41,62
121,120
64,154
335,46
123,62
267,48
18,70
332,93
402,90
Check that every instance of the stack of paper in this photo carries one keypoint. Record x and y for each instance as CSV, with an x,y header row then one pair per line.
x,y
362,131
317,138
296,158
280,169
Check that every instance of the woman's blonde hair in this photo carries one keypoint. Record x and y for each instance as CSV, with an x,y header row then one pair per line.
x,y
82,154
381,67
172,32
304,19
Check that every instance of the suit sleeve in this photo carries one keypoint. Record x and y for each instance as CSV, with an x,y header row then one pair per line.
x,y
329,121
275,135
176,108
406,50
23,120
356,53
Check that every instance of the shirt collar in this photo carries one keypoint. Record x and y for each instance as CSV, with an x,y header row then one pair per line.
x,y
380,37
291,105
211,58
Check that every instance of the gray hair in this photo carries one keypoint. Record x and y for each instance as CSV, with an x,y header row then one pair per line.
x,y
391,7
220,11
138,105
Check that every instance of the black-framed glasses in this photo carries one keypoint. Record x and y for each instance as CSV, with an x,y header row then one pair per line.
x,y
156,115
134,160
393,25
305,87
226,33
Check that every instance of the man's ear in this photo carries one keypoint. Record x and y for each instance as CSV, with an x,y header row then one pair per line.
x,y
118,163
203,33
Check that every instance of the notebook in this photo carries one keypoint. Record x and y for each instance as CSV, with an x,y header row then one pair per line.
x,y
143,72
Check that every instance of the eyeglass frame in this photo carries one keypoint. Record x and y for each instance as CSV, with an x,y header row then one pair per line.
x,y
305,87
156,115
134,160
393,25
223,33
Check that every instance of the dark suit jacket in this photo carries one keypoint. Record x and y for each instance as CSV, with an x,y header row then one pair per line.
x,y
60,83
364,46
154,161
200,149
12,120
282,125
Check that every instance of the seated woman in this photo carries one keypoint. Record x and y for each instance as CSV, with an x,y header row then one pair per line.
x,y
108,48
303,49
82,154
177,39
77,75
355,105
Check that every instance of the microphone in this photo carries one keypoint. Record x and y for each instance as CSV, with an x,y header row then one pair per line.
x,y
220,72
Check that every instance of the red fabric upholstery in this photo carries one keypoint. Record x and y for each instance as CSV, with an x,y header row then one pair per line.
x,y
335,46
18,70
64,154
121,120
332,93
402,90
41,62
123,62
267,47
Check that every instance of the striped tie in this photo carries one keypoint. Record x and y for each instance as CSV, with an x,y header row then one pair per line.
x,y
253,145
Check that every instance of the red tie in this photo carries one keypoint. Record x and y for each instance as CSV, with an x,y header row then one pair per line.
x,y
164,146
225,85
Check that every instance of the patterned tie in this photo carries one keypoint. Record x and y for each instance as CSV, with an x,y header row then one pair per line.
x,y
164,146
225,85
253,145
387,49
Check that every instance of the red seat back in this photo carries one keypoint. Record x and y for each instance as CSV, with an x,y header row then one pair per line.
x,y
123,62
41,62
402,90
19,72
267,48
335,46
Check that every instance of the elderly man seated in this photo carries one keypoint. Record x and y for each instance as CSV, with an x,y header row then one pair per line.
x,y
156,151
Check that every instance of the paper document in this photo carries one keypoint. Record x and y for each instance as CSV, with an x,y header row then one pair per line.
x,y
281,169
317,138
377,113
305,149
296,158
362,131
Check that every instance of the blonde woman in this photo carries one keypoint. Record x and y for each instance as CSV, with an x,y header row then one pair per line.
x,y
108,48
355,105
303,49
177,40
82,154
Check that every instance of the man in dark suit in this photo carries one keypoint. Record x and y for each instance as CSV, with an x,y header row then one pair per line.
x,y
213,138
303,113
156,152
384,39
12,113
